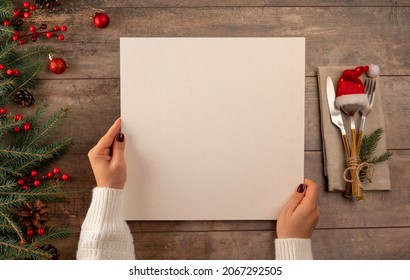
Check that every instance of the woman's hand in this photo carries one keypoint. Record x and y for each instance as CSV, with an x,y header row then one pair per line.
x,y
299,217
107,158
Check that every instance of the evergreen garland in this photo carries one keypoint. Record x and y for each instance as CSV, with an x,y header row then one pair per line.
x,y
25,150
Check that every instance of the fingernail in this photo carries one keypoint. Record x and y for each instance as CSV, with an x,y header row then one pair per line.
x,y
301,188
120,137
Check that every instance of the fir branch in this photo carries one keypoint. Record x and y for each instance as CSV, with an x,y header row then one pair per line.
x,y
8,220
16,154
369,144
6,9
7,52
34,53
48,127
28,80
6,31
53,234
10,249
45,194
383,157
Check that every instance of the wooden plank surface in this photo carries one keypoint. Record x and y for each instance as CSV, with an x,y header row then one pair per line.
x,y
337,33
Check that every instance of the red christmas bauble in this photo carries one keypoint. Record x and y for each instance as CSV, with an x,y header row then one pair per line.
x,y
57,65
101,20
65,177
40,231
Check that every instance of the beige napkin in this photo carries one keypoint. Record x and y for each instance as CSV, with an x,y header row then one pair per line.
x,y
333,153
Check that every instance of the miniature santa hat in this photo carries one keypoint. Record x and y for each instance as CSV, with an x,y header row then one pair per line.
x,y
350,89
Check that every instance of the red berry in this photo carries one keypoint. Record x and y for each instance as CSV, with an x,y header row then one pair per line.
x,y
63,28
1,67
50,175
15,37
9,72
21,42
49,35
22,242
26,14
18,118
16,13
60,37
25,187
32,8
26,4
56,171
65,177
30,232
17,33
40,231
37,183
43,26
56,28
6,23
27,127
3,111
32,28
16,73
34,38
16,129
34,173
21,182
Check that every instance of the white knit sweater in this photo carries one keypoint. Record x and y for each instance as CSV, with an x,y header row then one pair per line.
x,y
106,236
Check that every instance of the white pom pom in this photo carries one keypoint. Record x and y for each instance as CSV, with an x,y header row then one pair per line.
x,y
374,71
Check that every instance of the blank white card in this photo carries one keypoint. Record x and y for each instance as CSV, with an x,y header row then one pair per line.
x,y
214,127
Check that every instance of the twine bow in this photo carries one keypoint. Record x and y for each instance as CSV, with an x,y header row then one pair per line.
x,y
354,163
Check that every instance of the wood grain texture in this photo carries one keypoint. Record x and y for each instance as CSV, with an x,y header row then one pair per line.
x,y
337,33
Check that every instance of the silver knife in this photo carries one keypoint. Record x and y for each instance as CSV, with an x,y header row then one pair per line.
x,y
336,114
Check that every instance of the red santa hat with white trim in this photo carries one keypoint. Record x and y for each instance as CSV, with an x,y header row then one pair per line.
x,y
350,89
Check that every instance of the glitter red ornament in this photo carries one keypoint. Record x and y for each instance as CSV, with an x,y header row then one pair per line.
x,y
101,20
57,65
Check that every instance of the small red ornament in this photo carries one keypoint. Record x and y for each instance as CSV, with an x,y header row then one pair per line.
x,y
56,171
16,72
65,177
18,118
9,72
16,129
101,20
3,111
6,23
16,13
34,173
22,242
21,182
37,183
26,14
26,4
25,187
57,65
30,232
40,231
50,175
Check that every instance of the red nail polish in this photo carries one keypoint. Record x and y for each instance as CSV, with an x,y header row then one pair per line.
x,y
301,188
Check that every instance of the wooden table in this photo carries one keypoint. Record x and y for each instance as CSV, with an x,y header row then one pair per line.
x,y
337,33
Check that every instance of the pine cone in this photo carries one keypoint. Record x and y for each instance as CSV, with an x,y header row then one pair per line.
x,y
52,250
46,4
24,98
34,214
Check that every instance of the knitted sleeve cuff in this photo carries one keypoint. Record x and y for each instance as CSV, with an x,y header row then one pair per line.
x,y
293,249
104,234
105,208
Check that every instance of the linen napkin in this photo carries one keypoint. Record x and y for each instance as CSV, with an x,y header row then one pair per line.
x,y
334,161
